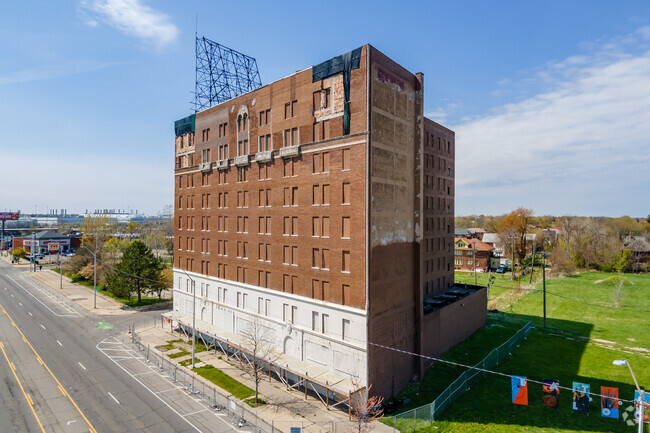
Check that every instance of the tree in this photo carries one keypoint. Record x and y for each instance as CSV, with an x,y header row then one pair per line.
x,y
19,253
364,410
513,228
259,345
138,272
165,281
625,261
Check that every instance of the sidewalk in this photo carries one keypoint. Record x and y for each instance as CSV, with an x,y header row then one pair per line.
x,y
283,407
78,293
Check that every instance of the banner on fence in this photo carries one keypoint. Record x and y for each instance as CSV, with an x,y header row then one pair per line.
x,y
519,390
609,402
646,406
551,397
581,397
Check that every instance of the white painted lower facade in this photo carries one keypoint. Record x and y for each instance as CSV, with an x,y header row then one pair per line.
x,y
328,336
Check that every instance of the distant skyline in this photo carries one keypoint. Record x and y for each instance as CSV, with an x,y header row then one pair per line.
x,y
550,102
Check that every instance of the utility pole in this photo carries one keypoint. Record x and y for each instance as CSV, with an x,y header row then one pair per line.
x,y
532,269
513,259
544,285
193,322
60,269
474,260
32,250
94,276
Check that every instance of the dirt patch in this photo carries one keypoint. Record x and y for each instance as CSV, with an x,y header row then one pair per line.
x,y
598,340
506,299
640,349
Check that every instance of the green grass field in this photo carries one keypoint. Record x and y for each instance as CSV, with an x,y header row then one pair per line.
x,y
590,324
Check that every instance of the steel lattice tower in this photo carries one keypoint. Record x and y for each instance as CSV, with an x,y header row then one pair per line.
x,y
222,74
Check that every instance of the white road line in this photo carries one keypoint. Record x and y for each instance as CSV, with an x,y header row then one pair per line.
x,y
114,398
149,389
198,411
142,374
42,326
41,302
20,303
81,365
31,315
12,295
59,343
169,390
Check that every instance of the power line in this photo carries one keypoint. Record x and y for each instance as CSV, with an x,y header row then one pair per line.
x,y
457,364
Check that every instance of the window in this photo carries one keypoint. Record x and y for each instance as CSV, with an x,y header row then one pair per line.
x,y
242,174
345,329
285,312
320,163
316,196
242,148
242,122
206,135
325,323
291,196
316,163
346,193
290,137
325,232
290,255
288,168
345,227
290,109
264,253
264,143
315,258
326,195
315,227
290,226
345,159
345,294
222,151
315,321
265,117
345,261
223,129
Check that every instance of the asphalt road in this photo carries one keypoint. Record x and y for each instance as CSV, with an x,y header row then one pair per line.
x,y
57,375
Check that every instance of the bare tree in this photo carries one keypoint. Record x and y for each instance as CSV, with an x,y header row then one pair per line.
x,y
364,410
259,344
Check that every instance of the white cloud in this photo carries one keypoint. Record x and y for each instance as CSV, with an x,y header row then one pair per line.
x,y
132,18
582,146
48,72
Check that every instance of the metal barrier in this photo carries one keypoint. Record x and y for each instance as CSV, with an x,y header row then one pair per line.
x,y
422,416
240,414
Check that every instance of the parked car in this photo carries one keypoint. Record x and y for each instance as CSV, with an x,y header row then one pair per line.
x,y
502,270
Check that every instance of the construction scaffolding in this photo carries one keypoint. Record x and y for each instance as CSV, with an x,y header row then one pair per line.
x,y
221,74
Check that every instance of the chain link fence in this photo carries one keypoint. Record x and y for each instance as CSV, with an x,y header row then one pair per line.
x,y
422,416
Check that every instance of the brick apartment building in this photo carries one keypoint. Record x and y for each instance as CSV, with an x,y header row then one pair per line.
x,y
322,206
471,253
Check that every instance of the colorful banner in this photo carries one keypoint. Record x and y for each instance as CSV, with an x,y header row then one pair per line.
x,y
646,407
551,396
519,390
581,397
609,402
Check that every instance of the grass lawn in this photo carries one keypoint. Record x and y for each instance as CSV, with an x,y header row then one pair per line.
x,y
590,298
582,312
222,380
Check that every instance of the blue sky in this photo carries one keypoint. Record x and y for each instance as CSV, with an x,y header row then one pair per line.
x,y
550,101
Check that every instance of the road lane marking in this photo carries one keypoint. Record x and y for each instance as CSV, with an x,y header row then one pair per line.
x,y
30,314
20,303
114,398
63,391
59,343
27,397
147,388
194,413
76,313
42,326
12,295
81,365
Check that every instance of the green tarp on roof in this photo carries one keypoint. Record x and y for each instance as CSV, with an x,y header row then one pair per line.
x,y
185,125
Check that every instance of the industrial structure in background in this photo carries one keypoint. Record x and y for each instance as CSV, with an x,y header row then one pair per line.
x,y
320,208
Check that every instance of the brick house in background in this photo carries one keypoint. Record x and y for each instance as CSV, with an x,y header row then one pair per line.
x,y
322,206
469,252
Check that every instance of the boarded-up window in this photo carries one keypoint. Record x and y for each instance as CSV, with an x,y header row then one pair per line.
x,y
345,261
315,227
287,196
326,195
346,193
326,162
287,226
315,198
345,228
286,255
315,258
345,162
326,259
326,129
326,227
317,164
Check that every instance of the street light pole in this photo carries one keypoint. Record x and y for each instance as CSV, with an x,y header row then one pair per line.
x,y
622,362
32,250
193,315
60,269
94,276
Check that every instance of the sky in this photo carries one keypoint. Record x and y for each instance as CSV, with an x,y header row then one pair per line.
x,y
550,100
